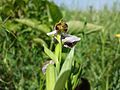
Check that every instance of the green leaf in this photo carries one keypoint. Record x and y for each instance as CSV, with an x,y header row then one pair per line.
x,y
78,26
54,12
10,26
34,24
65,71
50,54
40,41
50,77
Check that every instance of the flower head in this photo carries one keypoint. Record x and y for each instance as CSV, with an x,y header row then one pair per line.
x,y
61,29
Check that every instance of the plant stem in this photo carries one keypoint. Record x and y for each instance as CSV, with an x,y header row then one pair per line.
x,y
60,47
58,52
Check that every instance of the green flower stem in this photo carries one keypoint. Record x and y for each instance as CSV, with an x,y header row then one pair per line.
x,y
51,44
58,67
58,51
60,47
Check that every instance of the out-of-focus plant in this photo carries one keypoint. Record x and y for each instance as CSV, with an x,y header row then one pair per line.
x,y
23,24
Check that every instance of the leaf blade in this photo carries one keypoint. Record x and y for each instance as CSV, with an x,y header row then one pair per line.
x,y
65,71
50,54
54,12
50,77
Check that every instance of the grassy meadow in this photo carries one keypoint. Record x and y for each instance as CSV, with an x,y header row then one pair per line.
x,y
24,25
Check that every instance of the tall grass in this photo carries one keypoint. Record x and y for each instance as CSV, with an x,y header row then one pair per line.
x,y
99,53
21,53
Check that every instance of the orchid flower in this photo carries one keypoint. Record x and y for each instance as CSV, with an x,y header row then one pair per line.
x,y
68,40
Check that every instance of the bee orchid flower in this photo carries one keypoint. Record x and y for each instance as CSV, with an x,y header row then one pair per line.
x,y
61,29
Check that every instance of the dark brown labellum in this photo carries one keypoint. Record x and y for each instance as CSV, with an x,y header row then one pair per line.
x,y
61,27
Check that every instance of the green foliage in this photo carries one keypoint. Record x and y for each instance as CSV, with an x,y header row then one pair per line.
x,y
97,51
77,27
54,12
52,74
50,77
50,54
34,24
23,28
23,24
65,71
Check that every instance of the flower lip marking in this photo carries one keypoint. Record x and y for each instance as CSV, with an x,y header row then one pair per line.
x,y
70,40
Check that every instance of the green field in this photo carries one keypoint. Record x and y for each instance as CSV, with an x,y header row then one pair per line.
x,y
24,25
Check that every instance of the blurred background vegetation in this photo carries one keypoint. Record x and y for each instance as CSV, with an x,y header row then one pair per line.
x,y
23,28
